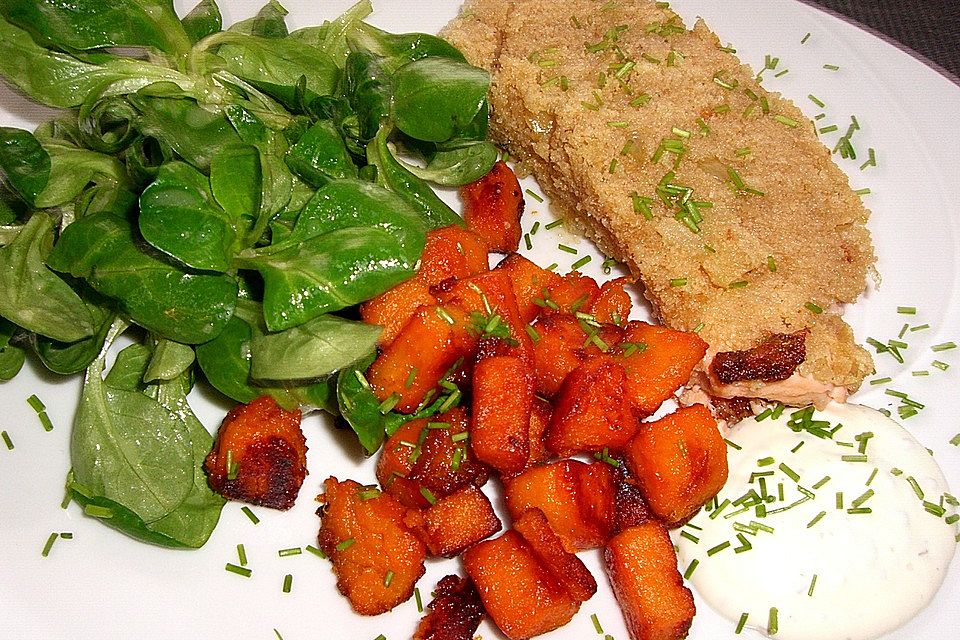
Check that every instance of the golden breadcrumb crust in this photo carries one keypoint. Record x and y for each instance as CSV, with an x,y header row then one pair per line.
x,y
584,95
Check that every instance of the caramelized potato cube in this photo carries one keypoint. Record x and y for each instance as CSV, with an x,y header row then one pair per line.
x,y
424,351
679,461
520,594
363,533
572,293
590,413
642,566
658,361
491,307
540,414
260,455
454,613
565,566
429,457
492,207
502,402
563,345
450,252
576,498
529,281
458,521
613,303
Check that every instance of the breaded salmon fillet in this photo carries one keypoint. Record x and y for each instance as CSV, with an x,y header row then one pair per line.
x,y
668,153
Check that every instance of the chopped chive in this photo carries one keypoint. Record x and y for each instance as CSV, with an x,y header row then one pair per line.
x,y
955,440
854,458
766,462
742,623
596,623
781,73
346,544
862,192
828,129
250,514
859,510
678,282
690,569
797,448
581,262
240,571
717,549
287,583
813,308
731,443
534,228
416,595
6,440
824,480
388,578
534,195
277,633
744,544
315,551
813,584
789,472
428,495
48,545
772,622
554,224
739,284
944,346
96,511
831,67
568,249
790,122
387,405
689,536
242,555
885,380
915,486
816,519
292,551
381,637
920,327
527,241
817,101
36,403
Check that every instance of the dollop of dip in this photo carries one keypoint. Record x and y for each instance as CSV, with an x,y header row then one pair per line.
x,y
833,525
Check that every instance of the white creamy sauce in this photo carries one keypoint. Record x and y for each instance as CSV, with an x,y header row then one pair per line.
x,y
874,567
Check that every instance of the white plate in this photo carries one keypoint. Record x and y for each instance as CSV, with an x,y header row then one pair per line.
x,y
103,585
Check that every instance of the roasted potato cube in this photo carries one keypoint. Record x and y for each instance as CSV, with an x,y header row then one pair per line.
x,y
429,457
491,306
613,303
658,361
576,498
679,461
492,207
590,413
450,252
260,455
529,282
642,566
376,558
573,293
563,344
520,594
502,402
424,351
566,567
454,613
457,521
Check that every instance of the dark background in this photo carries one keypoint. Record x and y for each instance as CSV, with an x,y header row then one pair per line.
x,y
930,27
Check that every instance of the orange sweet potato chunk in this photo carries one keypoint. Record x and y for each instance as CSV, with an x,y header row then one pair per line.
x,y
458,521
491,306
450,252
564,343
576,498
642,566
492,207
529,282
454,613
540,414
613,303
565,566
424,351
679,462
590,413
658,361
521,595
502,402
429,457
574,292
366,539
260,455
